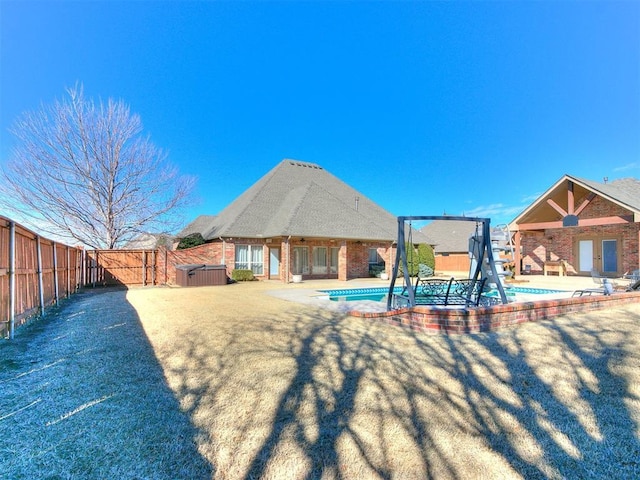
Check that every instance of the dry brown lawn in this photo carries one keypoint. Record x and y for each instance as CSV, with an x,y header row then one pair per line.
x,y
277,389
232,383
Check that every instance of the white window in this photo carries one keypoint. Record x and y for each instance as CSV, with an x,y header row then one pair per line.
x,y
300,260
335,254
320,260
250,257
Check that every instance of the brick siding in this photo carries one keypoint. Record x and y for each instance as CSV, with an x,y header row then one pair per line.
x,y
353,257
487,319
562,243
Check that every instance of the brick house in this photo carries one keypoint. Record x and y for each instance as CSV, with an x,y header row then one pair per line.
x,y
450,240
299,219
584,225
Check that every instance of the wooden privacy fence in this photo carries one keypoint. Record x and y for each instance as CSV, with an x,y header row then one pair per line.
x,y
120,267
35,273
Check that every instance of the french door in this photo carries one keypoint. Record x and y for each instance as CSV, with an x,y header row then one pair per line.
x,y
599,253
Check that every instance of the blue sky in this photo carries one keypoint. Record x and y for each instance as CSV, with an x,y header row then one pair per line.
x,y
471,108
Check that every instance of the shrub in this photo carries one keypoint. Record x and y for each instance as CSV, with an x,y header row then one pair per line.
x,y
190,241
376,270
242,275
426,256
422,255
424,271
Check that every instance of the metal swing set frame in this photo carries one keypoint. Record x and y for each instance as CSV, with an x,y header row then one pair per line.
x,y
485,252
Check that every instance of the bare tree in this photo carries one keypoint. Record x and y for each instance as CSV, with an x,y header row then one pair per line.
x,y
84,171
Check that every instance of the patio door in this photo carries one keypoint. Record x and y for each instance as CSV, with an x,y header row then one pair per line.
x,y
601,254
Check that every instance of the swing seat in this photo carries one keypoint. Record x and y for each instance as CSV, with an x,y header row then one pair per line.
x,y
436,291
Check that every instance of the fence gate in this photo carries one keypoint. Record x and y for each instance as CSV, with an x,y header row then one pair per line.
x,y
120,267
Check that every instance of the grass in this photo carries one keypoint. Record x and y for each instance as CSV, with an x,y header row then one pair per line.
x,y
230,383
82,396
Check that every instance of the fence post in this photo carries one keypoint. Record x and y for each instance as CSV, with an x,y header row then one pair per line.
x,y
84,277
12,278
68,272
55,273
153,267
144,268
40,280
94,269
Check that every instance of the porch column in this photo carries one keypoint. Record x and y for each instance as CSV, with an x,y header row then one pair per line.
x,y
285,263
342,262
517,256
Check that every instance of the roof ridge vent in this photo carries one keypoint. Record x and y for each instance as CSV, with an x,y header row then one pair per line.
x,y
298,163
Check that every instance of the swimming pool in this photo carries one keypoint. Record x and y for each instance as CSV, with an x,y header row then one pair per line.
x,y
379,294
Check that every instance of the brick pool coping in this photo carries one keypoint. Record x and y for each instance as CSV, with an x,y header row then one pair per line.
x,y
488,319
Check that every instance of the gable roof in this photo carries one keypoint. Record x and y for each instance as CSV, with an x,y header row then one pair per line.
x,y
197,226
624,192
449,236
302,199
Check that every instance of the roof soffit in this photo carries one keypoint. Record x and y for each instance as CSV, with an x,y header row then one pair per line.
x,y
542,211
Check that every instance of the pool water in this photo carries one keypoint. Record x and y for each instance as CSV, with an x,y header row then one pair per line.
x,y
379,294
355,294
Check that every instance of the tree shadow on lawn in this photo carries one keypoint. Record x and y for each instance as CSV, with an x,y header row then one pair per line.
x,y
560,405
323,395
82,396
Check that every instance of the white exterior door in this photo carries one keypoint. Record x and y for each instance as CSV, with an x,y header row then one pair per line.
x,y
585,259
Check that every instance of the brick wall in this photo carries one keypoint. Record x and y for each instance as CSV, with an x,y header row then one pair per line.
x,y
209,253
357,256
487,319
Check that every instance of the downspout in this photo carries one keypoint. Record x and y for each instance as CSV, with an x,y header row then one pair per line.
x,y
288,259
391,258
224,256
224,251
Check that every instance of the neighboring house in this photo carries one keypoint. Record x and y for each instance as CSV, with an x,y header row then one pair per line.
x,y
584,224
301,220
149,241
450,240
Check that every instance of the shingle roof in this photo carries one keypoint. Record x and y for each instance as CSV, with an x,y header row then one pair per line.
x,y
302,199
449,236
197,226
623,190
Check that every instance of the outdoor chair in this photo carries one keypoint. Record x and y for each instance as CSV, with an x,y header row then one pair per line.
x,y
634,286
605,286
